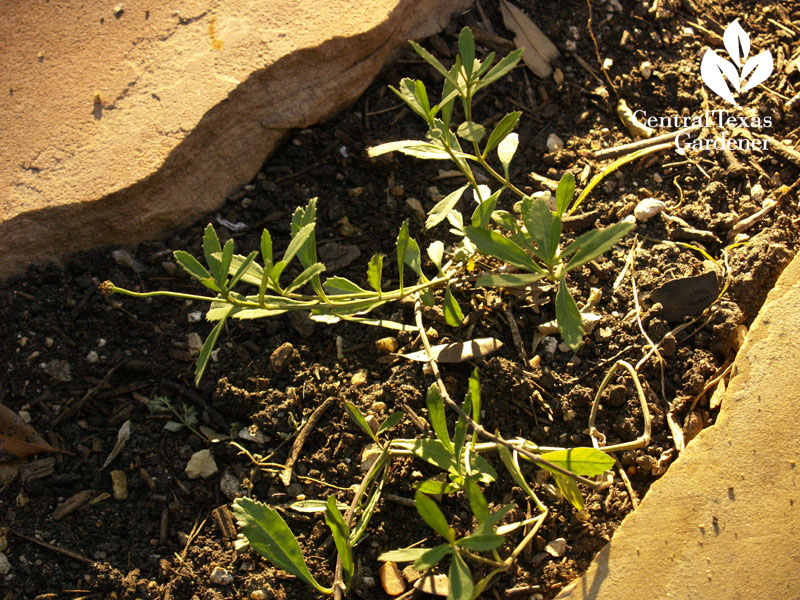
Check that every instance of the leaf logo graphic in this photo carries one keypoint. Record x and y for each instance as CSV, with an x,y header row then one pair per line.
x,y
741,72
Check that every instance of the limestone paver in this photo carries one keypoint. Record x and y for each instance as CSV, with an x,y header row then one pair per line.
x,y
121,121
723,523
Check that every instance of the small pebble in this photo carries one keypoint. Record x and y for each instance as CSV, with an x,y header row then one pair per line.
x,y
281,356
415,206
25,416
391,580
387,345
757,193
170,268
557,548
608,63
646,69
368,582
648,208
558,76
92,357
346,228
554,143
194,316
549,344
58,369
119,484
220,576
194,343
5,566
258,595
125,259
229,485
201,464
48,342
359,378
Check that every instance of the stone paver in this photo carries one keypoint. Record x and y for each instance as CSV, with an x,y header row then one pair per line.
x,y
121,121
723,523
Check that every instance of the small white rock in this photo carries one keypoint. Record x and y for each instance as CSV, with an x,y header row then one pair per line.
x,y
554,143
201,464
194,317
25,415
5,566
549,344
415,206
229,485
101,342
125,259
757,193
558,76
194,343
557,548
648,208
220,576
92,357
646,69
608,63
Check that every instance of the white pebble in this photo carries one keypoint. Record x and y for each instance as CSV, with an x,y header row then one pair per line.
x,y
201,464
648,208
220,576
125,259
194,343
92,357
608,63
101,342
554,143
194,317
549,344
646,69
557,548
757,193
5,566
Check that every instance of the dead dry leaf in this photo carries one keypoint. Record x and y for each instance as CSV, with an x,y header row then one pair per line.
x,y
17,438
123,435
458,351
539,50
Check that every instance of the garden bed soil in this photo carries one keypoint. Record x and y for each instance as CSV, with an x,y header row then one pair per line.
x,y
121,352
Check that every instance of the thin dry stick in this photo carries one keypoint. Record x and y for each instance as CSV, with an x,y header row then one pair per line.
x,y
286,476
52,547
534,458
634,146
597,48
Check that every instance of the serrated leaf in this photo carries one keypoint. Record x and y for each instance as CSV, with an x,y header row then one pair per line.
x,y
341,537
570,324
270,536
458,351
491,243
452,311
506,150
471,131
192,266
460,579
305,276
435,405
375,272
439,212
581,461
501,130
564,192
430,513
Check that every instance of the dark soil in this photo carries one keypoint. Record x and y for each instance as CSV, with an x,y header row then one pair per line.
x,y
123,352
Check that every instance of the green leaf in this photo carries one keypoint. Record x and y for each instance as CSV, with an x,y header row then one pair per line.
x,y
304,277
486,64
466,48
404,554
436,416
266,250
506,150
402,247
408,92
476,501
581,461
449,93
368,510
501,130
435,486
415,148
436,254
483,212
594,243
192,266
570,489
471,131
208,346
343,285
509,279
359,419
460,433
460,579
452,311
390,422
564,193
506,221
244,269
413,257
513,469
431,514
375,272
475,398
482,542
431,557
211,247
439,212
341,537
493,244
431,60
494,518
500,69
314,506
227,257
270,536
570,324
298,240
543,228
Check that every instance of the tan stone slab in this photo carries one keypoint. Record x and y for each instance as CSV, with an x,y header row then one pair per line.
x,y
118,127
723,523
